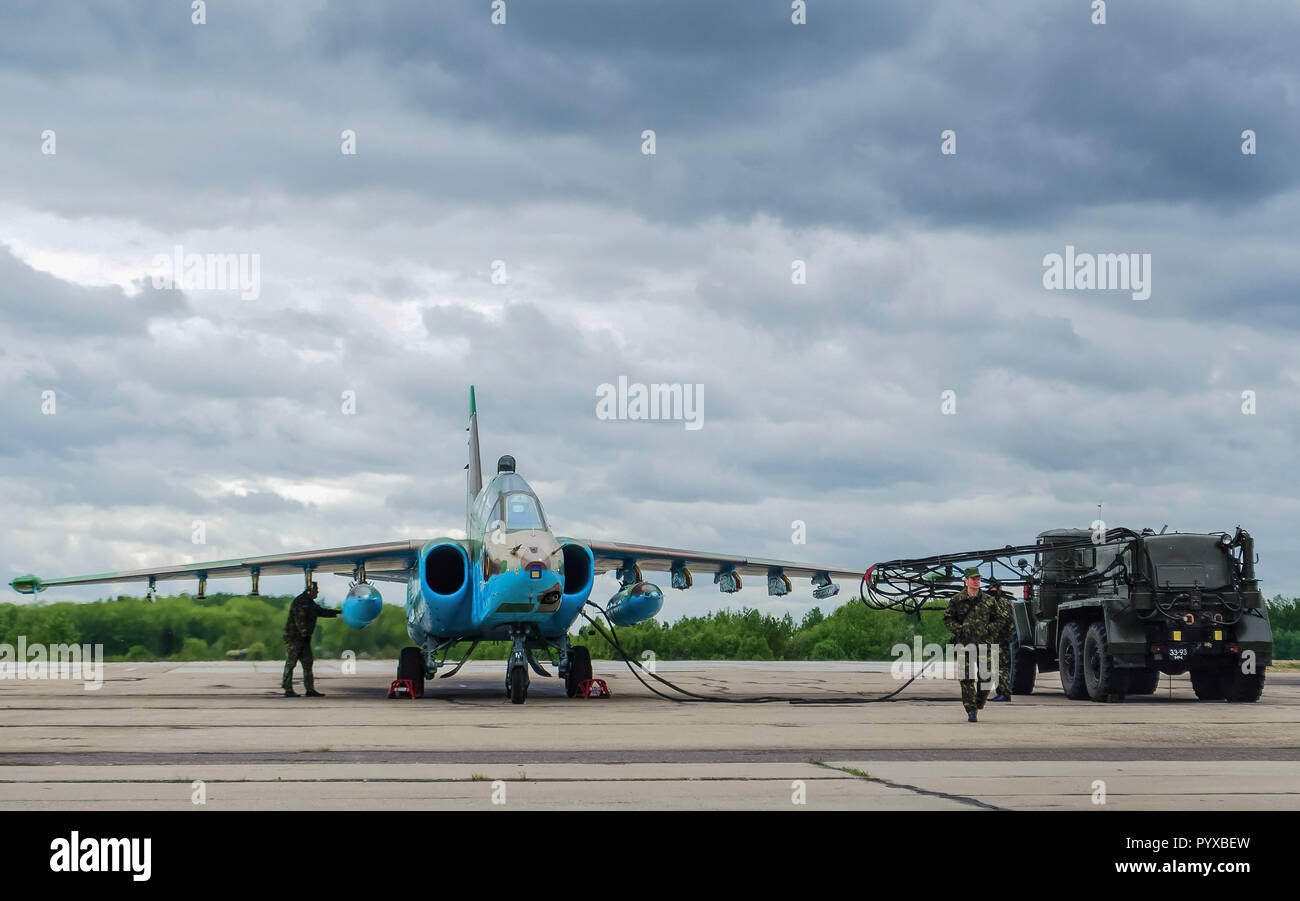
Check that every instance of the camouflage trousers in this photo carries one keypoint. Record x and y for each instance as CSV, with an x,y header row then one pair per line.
x,y
1004,669
971,698
294,654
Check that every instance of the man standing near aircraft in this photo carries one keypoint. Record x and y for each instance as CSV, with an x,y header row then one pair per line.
x,y
298,629
974,618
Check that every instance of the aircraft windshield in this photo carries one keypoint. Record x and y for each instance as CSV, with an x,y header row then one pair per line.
x,y
522,512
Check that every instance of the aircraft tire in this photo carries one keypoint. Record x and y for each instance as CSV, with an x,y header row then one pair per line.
x,y
579,669
410,665
517,685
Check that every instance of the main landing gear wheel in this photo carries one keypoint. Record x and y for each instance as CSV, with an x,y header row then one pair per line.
x,y
410,665
517,685
579,669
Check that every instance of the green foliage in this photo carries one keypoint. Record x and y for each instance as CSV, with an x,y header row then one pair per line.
x,y
383,639
1284,616
176,628
1284,613
194,649
185,628
1286,645
827,649
850,632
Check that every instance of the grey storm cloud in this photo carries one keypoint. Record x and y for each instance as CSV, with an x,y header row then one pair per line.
x,y
522,143
836,122
38,304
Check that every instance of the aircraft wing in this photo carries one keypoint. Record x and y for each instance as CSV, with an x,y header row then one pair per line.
x,y
389,562
615,555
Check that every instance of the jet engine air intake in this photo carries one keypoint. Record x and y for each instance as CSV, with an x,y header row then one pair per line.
x,y
446,569
579,569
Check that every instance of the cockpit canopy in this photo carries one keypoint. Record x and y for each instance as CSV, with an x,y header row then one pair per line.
x,y
508,499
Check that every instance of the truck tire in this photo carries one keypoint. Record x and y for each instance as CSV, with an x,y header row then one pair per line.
x,y
1208,684
1242,688
1143,681
1023,670
1102,677
1070,655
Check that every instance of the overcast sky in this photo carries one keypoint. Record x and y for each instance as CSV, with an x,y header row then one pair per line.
x,y
523,143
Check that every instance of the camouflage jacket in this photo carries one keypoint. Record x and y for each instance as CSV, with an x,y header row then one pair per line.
x,y
302,619
983,619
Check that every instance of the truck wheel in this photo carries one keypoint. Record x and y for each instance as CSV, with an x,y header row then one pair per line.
x,y
1070,655
410,665
1208,684
1143,681
1099,671
579,669
1242,688
1022,671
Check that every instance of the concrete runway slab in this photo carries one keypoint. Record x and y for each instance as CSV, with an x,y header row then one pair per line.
x,y
151,730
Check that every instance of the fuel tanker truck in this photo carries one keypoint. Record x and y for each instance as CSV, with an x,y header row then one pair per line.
x,y
1111,610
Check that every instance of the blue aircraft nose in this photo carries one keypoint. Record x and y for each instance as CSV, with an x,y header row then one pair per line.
x,y
517,594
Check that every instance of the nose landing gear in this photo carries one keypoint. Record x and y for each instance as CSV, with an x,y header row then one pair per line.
x,y
517,667
517,684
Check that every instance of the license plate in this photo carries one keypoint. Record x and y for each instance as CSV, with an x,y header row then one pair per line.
x,y
1176,653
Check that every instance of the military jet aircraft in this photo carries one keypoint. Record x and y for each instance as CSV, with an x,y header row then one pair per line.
x,y
510,579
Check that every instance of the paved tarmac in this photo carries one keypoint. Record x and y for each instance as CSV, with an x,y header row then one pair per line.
x,y
154,730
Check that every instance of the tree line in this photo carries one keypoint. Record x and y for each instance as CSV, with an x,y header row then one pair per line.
x,y
181,627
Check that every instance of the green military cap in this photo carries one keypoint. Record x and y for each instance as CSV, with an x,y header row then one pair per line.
x,y
971,572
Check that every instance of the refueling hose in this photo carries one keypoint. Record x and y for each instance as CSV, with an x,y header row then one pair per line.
x,y
694,697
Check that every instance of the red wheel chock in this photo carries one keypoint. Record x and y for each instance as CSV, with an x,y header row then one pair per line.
x,y
403,688
593,688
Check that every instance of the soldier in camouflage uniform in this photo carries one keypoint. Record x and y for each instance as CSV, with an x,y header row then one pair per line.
x,y
1007,626
973,617
298,629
